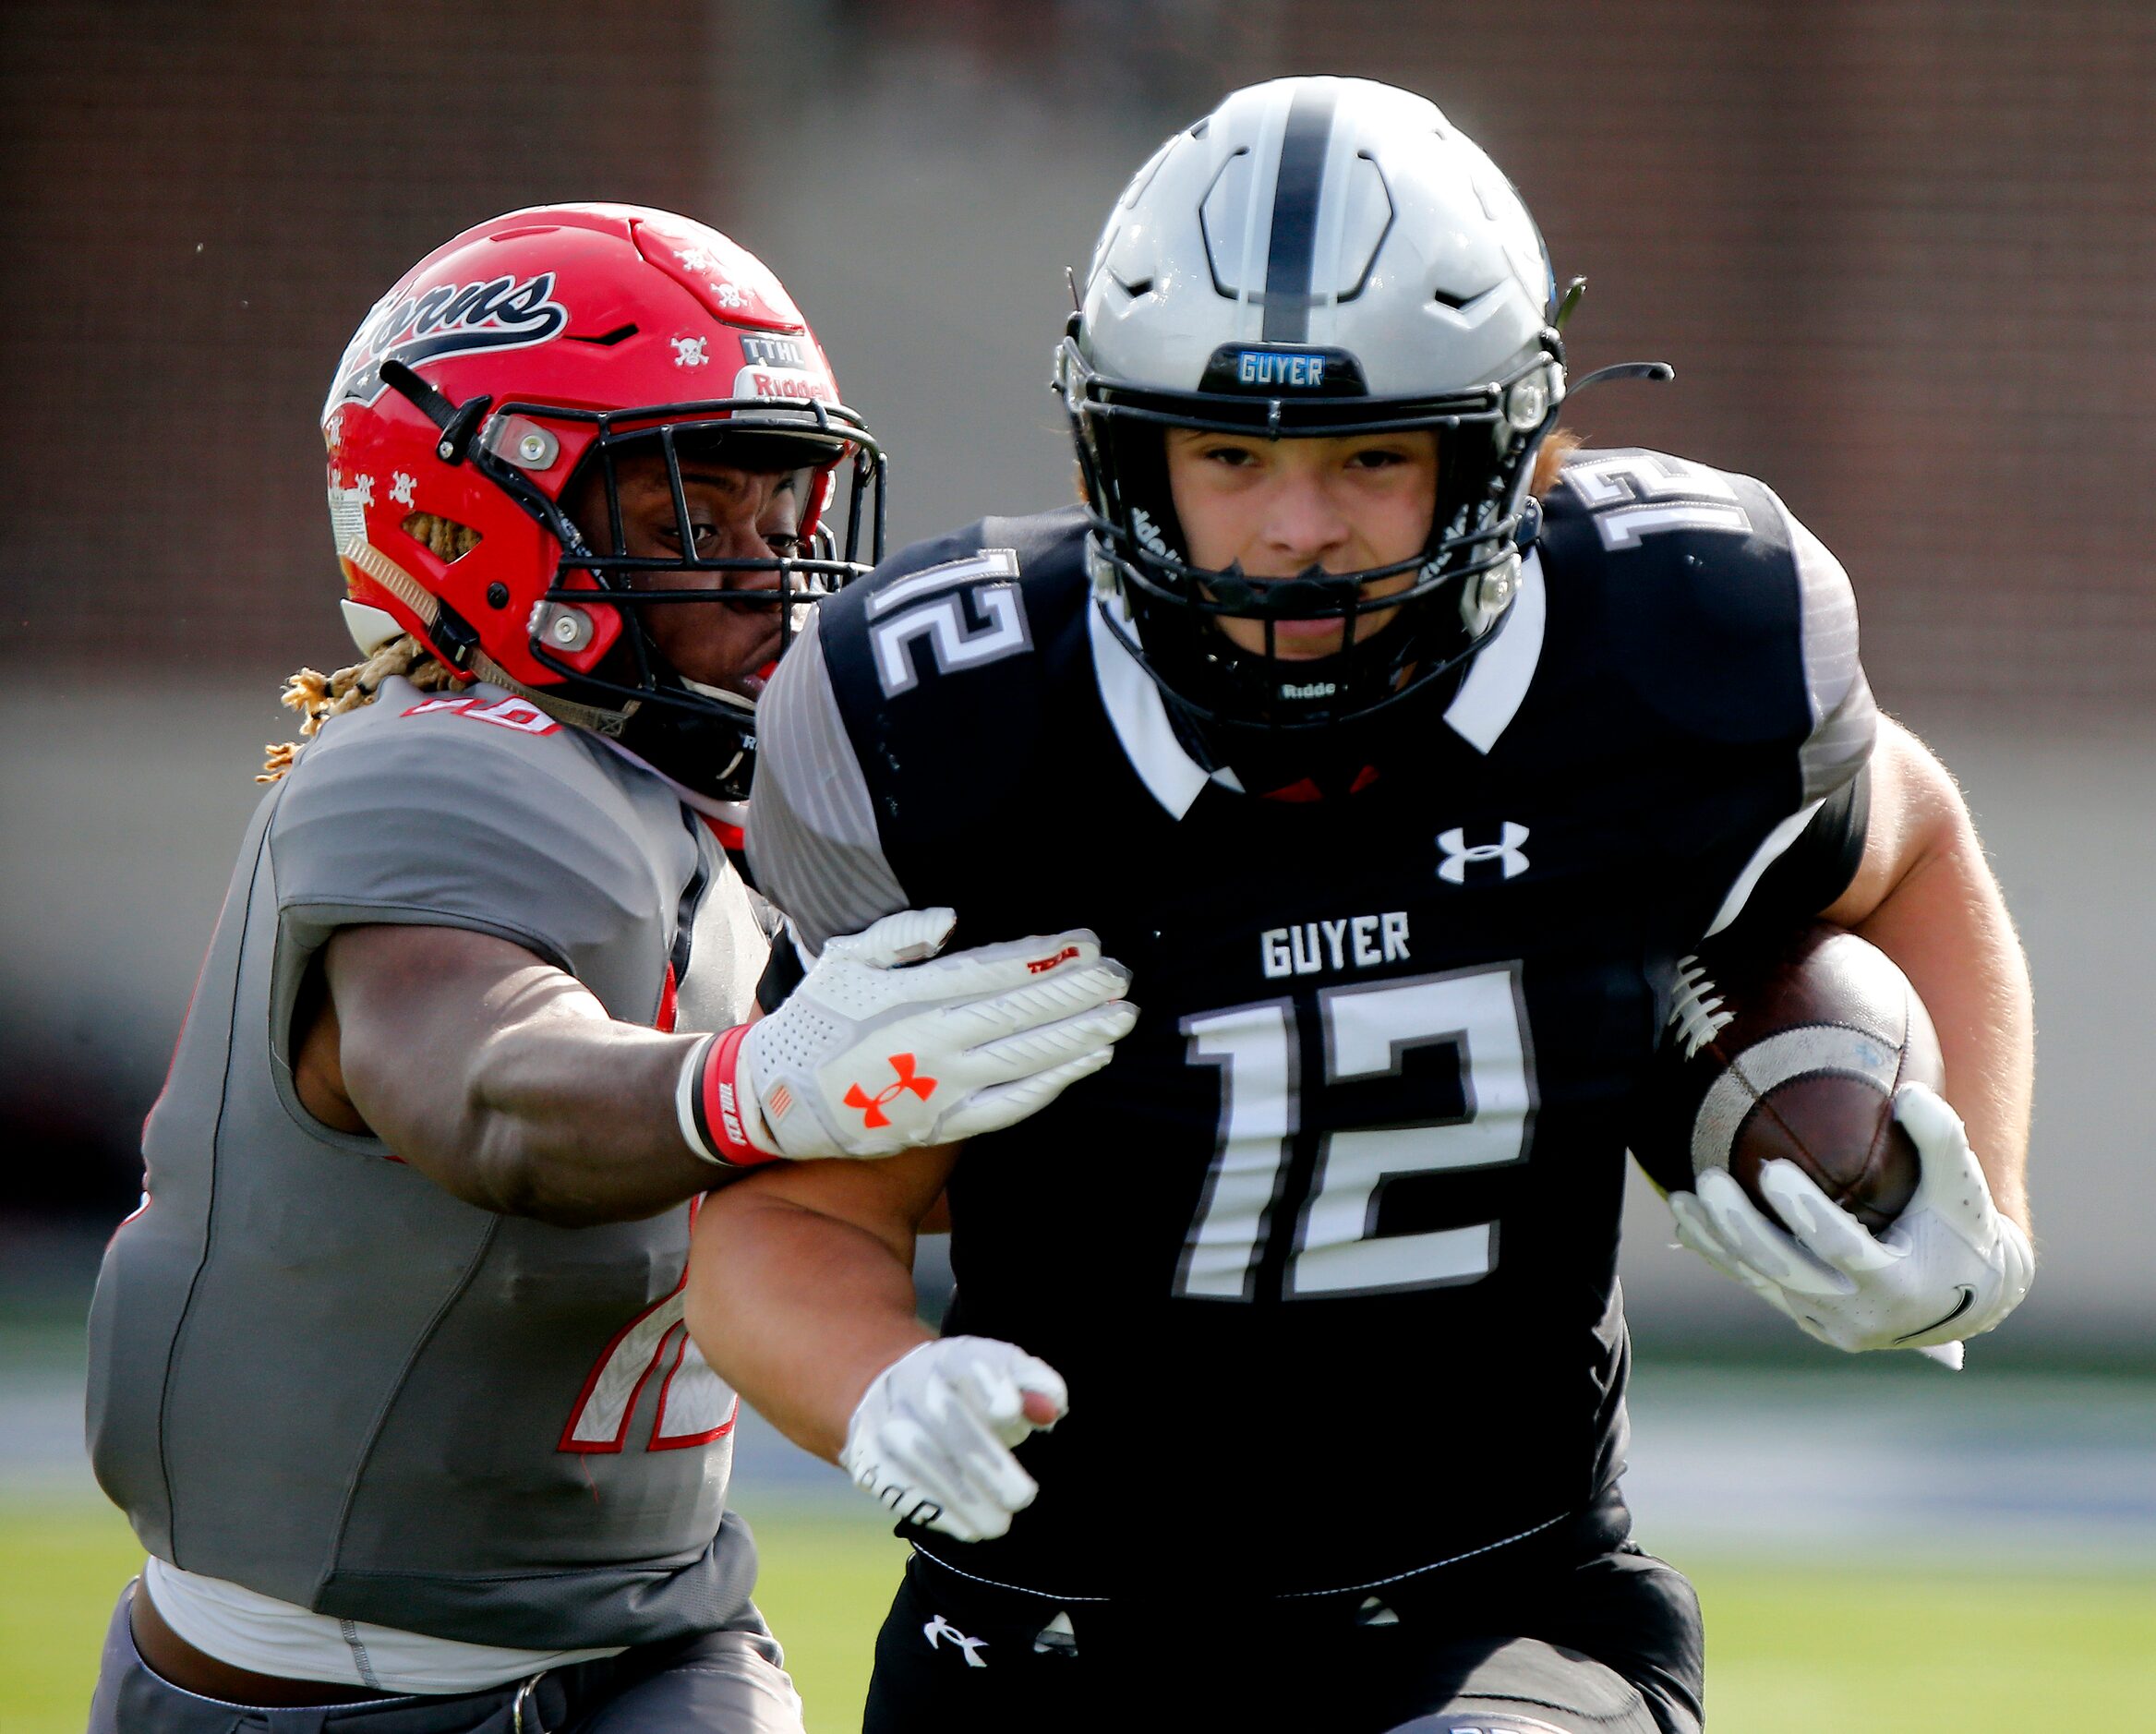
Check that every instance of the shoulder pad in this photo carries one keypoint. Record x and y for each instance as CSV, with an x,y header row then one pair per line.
x,y
409,733
1691,579
957,606
936,688
416,807
1045,542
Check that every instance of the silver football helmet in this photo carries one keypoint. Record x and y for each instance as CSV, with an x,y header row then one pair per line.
x,y
1317,256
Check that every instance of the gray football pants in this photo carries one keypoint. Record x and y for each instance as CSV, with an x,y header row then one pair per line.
x,y
723,1683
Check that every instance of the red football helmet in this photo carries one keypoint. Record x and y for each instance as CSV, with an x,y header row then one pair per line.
x,y
502,365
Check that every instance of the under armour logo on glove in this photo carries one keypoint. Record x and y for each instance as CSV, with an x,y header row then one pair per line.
x,y
1453,870
939,1628
871,1107
977,1040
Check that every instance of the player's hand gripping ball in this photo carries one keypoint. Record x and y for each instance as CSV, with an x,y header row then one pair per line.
x,y
1811,1159
1791,1052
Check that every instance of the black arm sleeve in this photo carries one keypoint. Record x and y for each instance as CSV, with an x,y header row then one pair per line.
x,y
782,974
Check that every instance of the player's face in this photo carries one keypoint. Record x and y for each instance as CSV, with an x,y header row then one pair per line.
x,y
1278,507
733,515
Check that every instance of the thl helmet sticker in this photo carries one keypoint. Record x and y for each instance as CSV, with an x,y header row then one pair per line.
x,y
447,320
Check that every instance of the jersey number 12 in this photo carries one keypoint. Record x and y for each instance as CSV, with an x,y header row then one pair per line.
x,y
1367,1031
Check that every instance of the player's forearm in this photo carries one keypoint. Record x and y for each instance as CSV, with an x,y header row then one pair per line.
x,y
502,1079
798,1310
573,1122
1945,923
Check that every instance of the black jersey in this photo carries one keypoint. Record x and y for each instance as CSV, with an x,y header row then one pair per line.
x,y
1328,1253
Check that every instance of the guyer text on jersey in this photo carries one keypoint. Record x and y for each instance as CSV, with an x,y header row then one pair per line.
x,y
1354,942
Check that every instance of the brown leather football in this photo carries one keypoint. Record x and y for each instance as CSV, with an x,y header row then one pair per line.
x,y
1793,1048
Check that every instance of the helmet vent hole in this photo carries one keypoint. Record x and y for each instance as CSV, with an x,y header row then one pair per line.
x,y
442,537
618,334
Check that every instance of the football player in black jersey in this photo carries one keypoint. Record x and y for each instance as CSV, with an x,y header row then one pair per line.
x,y
1401,754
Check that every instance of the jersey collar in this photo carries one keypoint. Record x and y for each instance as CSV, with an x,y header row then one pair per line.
x,y
1488,698
1498,678
1141,716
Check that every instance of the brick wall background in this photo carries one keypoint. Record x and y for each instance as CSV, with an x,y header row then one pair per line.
x,y
1899,251
200,203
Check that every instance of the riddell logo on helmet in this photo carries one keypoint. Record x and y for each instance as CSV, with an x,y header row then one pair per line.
x,y
787,384
448,320
1040,966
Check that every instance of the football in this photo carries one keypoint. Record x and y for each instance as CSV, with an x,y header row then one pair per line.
x,y
1793,1048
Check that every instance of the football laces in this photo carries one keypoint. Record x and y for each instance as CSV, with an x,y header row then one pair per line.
x,y
1696,1008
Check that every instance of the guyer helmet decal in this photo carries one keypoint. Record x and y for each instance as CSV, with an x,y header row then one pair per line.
x,y
448,319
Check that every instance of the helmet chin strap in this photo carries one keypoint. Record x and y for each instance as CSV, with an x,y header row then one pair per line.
x,y
1285,598
1313,594
567,710
1332,762
704,689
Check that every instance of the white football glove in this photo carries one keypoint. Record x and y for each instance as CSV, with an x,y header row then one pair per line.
x,y
1948,1268
885,1046
931,1438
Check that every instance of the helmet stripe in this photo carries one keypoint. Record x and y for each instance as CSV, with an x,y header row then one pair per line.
x,y
1292,249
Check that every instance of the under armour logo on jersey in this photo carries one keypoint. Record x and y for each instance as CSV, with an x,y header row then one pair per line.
x,y
871,1107
1453,870
938,1629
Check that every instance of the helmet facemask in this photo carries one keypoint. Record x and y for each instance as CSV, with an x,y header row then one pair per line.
x,y
1318,256
1395,646
702,734
525,358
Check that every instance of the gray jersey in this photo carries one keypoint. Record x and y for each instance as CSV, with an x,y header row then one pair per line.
x,y
315,1373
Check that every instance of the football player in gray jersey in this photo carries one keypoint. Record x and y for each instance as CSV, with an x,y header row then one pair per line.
x,y
390,1371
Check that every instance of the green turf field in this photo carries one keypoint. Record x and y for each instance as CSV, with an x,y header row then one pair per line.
x,y
1959,1650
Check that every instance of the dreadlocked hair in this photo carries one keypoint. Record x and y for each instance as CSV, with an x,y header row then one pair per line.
x,y
317,697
